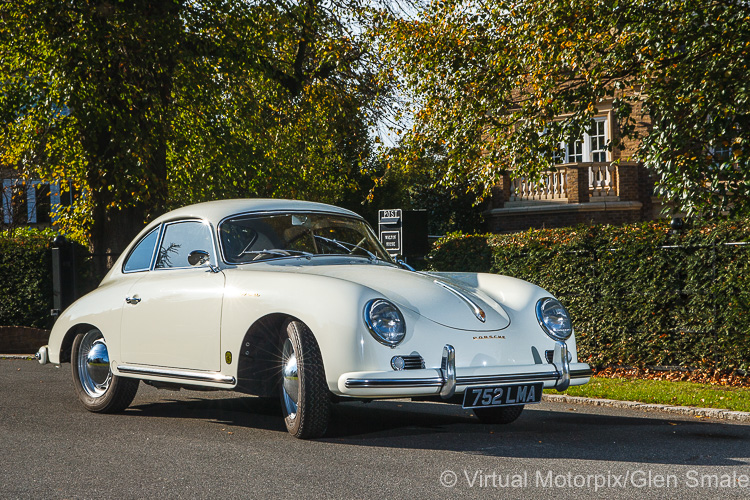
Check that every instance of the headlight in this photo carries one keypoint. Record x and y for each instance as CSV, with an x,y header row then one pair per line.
x,y
553,318
385,322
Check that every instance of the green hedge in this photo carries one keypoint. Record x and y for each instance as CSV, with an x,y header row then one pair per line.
x,y
639,295
26,278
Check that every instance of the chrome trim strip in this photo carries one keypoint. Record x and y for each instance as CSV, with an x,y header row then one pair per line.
x,y
394,383
354,383
478,312
181,374
581,373
505,379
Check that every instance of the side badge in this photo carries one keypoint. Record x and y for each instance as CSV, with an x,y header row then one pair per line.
x,y
228,357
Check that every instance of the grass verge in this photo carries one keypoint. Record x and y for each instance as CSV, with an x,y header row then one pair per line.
x,y
664,392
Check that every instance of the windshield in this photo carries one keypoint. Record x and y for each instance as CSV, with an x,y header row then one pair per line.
x,y
249,238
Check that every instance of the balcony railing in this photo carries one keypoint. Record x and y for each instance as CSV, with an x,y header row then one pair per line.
x,y
602,180
551,187
585,181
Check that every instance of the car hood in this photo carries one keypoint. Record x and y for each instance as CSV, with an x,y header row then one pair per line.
x,y
438,299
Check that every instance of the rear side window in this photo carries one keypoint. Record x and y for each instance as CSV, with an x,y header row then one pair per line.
x,y
140,257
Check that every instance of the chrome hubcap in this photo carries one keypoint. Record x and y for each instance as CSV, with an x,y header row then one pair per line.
x,y
93,364
290,380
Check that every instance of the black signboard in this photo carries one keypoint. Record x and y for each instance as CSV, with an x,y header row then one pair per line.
x,y
391,240
389,226
403,232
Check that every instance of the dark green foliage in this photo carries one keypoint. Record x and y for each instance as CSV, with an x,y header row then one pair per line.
x,y
25,280
462,252
410,179
639,295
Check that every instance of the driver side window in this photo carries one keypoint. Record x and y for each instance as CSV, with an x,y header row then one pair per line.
x,y
180,240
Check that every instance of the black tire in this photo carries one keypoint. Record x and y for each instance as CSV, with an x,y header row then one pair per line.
x,y
305,399
500,415
98,389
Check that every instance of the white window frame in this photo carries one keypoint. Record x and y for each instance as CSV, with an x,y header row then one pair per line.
x,y
587,153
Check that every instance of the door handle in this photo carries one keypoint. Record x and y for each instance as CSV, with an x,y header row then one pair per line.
x,y
132,300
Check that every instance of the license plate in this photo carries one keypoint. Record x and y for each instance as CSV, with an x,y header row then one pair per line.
x,y
503,395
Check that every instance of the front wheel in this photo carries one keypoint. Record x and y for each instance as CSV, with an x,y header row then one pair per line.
x,y
305,400
500,415
98,389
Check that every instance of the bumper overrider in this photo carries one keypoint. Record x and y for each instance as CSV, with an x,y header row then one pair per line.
x,y
448,380
42,355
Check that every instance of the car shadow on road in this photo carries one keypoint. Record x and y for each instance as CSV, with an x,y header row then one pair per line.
x,y
550,430
249,412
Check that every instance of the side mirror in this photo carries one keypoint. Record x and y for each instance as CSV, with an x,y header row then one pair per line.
x,y
198,258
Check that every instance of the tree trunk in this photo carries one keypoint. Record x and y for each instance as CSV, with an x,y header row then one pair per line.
x,y
111,232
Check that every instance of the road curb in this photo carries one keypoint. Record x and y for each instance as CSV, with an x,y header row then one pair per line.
x,y
16,356
736,416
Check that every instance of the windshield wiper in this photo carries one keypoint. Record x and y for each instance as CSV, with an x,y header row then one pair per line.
x,y
276,251
348,247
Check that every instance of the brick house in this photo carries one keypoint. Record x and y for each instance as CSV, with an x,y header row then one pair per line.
x,y
591,185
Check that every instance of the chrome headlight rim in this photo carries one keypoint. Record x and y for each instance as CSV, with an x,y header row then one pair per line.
x,y
540,317
371,326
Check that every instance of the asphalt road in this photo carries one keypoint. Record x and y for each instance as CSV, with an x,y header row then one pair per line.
x,y
223,445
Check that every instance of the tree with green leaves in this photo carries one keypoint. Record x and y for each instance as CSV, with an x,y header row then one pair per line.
x,y
413,179
291,113
144,104
501,83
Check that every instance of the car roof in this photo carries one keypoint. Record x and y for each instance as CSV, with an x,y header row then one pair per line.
x,y
215,211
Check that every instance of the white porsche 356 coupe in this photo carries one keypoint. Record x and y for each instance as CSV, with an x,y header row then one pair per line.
x,y
300,301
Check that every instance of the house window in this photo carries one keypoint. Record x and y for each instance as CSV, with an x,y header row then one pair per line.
x,y
559,155
15,207
43,203
27,202
592,147
721,152
598,141
575,152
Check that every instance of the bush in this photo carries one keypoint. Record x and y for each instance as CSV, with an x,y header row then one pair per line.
x,y
26,278
462,252
638,294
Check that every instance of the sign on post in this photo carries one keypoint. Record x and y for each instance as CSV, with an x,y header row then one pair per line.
x,y
404,232
389,228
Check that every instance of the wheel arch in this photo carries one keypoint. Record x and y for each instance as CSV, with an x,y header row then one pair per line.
x,y
259,356
66,346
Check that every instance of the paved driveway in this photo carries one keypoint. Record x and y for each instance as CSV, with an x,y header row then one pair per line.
x,y
223,445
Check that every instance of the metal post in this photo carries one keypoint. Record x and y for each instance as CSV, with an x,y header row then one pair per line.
x,y
63,275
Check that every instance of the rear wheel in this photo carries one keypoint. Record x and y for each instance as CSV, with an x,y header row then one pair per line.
x,y
500,415
98,389
305,399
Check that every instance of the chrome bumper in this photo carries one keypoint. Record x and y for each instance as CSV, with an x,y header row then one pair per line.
x,y
446,380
